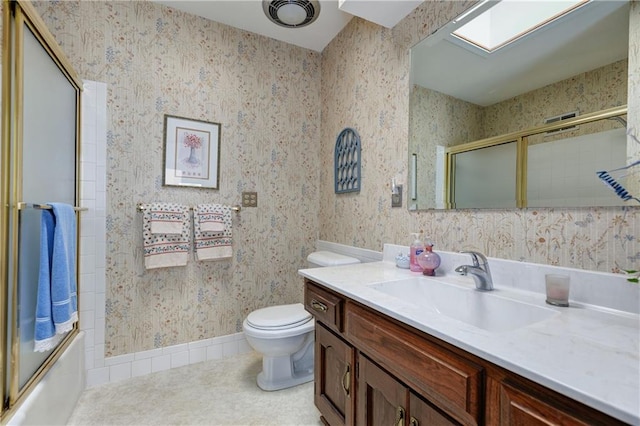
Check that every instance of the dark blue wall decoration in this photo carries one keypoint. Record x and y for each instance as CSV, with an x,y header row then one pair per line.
x,y
347,161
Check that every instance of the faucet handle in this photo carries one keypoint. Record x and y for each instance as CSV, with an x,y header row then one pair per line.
x,y
478,258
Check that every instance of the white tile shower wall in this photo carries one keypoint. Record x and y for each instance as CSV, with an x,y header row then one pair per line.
x,y
101,370
92,228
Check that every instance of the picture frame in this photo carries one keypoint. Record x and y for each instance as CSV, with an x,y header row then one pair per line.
x,y
191,152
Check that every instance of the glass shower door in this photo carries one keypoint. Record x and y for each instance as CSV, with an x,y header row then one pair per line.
x,y
48,175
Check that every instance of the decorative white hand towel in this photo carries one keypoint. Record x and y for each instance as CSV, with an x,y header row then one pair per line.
x,y
210,217
167,218
213,245
166,250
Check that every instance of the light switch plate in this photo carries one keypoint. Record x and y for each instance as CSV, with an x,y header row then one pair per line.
x,y
249,199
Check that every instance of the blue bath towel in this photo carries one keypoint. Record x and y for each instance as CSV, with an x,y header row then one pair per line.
x,y
57,304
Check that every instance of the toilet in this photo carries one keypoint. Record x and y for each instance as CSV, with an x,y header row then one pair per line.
x,y
284,335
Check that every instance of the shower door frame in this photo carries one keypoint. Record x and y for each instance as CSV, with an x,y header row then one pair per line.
x,y
19,16
521,138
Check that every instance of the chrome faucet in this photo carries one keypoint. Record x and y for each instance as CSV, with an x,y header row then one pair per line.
x,y
479,271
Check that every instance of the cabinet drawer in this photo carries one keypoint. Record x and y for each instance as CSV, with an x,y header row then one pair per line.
x,y
441,376
522,404
325,306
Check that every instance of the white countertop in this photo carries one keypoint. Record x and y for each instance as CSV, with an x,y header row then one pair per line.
x,y
588,353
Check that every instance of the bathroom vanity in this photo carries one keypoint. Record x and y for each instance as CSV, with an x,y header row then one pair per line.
x,y
381,360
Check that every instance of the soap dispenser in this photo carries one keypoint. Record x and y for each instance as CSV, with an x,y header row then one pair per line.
x,y
429,260
417,247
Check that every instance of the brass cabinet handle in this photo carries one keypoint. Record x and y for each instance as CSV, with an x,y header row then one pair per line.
x,y
346,380
414,422
318,306
399,416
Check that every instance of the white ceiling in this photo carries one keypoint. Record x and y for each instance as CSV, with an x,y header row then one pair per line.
x,y
249,16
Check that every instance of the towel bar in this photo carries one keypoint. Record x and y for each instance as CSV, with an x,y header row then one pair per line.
x,y
141,207
23,205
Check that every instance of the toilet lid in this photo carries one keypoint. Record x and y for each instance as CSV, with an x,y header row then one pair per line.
x,y
279,317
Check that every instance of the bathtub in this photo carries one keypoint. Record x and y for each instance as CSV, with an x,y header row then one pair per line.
x,y
53,399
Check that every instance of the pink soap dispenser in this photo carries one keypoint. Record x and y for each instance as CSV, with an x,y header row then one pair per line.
x,y
429,260
415,250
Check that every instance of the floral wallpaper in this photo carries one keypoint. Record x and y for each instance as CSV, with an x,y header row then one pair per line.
x,y
437,120
365,81
266,95
592,91
281,108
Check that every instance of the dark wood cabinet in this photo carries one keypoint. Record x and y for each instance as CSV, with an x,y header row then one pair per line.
x,y
514,401
426,414
520,408
384,400
448,380
325,306
334,378
405,377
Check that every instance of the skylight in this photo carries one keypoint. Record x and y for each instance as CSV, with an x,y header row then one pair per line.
x,y
509,20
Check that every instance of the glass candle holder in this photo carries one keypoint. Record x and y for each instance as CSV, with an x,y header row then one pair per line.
x,y
557,289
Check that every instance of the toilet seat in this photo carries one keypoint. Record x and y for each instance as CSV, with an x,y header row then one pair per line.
x,y
282,317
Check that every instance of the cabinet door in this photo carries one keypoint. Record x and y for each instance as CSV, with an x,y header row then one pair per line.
x,y
382,400
422,413
334,378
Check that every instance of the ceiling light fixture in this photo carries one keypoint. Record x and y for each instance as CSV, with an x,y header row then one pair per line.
x,y
291,13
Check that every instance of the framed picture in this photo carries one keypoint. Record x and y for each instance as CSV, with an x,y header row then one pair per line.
x,y
191,152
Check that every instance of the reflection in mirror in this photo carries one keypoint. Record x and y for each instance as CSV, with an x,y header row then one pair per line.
x,y
461,94
556,165
485,177
561,172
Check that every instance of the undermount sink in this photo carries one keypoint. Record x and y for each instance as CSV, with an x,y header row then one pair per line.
x,y
484,310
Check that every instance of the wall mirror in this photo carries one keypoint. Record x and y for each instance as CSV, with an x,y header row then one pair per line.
x,y
464,93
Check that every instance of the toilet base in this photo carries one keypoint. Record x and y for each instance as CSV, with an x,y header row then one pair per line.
x,y
290,382
282,374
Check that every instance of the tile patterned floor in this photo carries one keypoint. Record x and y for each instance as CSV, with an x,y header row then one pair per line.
x,y
217,393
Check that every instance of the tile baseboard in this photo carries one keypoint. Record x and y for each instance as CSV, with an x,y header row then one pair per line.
x,y
138,364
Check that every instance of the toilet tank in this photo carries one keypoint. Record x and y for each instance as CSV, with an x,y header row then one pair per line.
x,y
319,259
